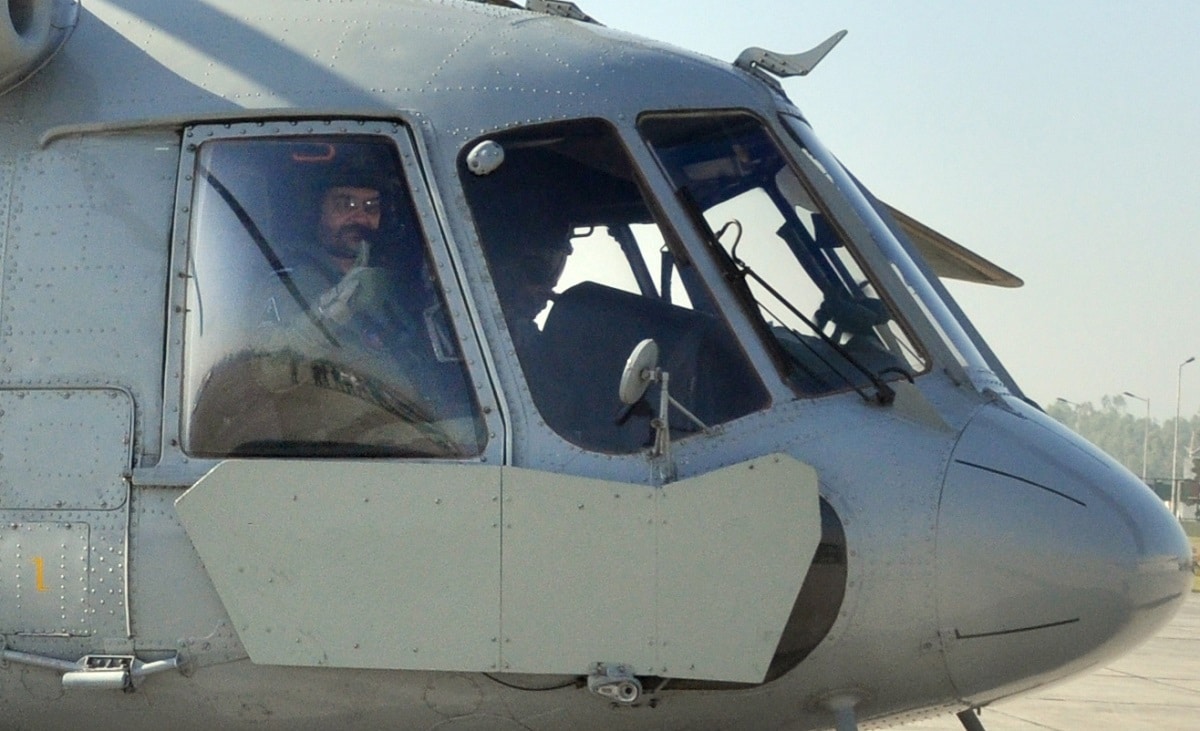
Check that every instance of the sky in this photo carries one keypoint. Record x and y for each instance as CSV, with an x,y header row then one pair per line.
x,y
1059,139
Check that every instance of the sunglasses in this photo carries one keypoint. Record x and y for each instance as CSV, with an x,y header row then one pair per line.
x,y
344,204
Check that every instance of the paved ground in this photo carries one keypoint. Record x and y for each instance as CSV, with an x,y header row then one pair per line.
x,y
1156,688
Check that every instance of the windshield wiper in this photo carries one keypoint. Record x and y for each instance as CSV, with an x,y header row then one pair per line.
x,y
884,394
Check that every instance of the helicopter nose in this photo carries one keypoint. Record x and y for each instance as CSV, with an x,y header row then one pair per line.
x,y
1052,557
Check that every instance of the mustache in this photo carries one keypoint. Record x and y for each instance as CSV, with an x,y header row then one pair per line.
x,y
356,231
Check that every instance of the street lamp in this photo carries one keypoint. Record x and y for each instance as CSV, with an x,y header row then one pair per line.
x,y
1074,411
1146,436
1175,449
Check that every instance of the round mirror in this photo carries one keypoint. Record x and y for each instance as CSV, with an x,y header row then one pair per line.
x,y
639,371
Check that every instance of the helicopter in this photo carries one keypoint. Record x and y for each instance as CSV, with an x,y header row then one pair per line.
x,y
445,364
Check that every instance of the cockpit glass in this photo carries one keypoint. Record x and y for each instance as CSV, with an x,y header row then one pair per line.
x,y
787,255
314,326
584,272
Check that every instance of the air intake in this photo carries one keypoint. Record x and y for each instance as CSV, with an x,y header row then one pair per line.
x,y
31,32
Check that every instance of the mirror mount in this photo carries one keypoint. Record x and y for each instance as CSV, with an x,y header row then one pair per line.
x,y
641,369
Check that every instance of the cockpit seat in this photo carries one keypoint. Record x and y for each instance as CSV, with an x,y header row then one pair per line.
x,y
589,334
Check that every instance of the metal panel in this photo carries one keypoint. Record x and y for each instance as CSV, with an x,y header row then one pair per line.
x,y
7,168
170,595
734,547
579,573
85,268
37,472
1045,582
44,579
367,564
693,580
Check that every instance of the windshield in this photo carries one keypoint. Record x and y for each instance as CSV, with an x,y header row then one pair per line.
x,y
583,272
315,326
965,349
831,325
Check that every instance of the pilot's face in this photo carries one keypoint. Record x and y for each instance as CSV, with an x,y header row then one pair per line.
x,y
348,216
527,281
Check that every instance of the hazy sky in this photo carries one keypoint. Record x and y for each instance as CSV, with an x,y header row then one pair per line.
x,y
1059,139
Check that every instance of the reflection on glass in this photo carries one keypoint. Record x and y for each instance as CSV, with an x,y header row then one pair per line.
x,y
831,325
584,272
314,326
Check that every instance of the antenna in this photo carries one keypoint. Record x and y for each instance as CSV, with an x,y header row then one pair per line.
x,y
561,8
558,8
757,60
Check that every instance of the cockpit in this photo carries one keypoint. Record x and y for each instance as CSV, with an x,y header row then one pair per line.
x,y
722,241
571,193
786,256
570,189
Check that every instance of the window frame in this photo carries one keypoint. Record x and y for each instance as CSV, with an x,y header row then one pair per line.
x,y
840,217
178,467
946,335
630,145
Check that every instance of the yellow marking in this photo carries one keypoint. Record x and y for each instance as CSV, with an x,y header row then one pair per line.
x,y
39,566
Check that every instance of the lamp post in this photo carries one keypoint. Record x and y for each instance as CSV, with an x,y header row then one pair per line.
x,y
1074,411
1175,449
1146,435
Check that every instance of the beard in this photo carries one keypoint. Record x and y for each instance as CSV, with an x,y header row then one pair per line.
x,y
346,242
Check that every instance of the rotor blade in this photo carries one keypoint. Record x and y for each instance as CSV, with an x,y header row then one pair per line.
x,y
948,258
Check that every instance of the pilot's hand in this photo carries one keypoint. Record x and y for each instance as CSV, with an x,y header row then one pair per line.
x,y
363,289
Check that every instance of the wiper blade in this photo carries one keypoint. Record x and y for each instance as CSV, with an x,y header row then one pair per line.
x,y
884,394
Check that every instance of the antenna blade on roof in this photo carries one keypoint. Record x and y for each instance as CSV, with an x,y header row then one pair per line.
x,y
785,65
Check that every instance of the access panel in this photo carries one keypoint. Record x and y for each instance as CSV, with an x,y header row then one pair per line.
x,y
477,568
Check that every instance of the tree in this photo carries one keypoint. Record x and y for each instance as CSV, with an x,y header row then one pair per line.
x,y
1112,428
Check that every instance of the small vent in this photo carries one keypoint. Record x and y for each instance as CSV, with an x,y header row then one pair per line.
x,y
108,662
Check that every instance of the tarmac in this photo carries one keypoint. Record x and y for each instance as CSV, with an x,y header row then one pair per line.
x,y
1154,688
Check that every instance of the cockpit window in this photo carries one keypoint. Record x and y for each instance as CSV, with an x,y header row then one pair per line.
x,y
314,326
831,325
584,272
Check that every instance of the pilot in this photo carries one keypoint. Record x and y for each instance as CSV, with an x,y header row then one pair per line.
x,y
330,276
525,273
353,337
525,276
